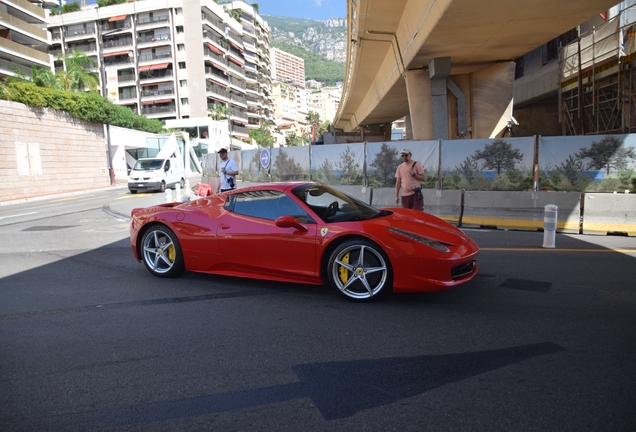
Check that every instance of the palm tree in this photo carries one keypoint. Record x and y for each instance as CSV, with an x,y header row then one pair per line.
x,y
77,77
219,112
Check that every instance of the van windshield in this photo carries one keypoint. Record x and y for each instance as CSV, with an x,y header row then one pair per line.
x,y
148,164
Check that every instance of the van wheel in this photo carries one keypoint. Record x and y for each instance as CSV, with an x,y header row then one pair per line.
x,y
133,191
162,188
182,183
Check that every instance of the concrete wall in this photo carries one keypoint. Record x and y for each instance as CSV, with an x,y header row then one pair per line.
x,y
44,152
609,213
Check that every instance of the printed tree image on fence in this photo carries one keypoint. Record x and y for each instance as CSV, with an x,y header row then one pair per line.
x,y
383,167
606,165
251,171
286,168
345,168
497,166
350,173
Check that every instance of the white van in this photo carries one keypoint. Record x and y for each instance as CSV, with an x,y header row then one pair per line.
x,y
156,174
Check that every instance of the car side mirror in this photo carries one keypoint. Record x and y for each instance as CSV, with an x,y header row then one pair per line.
x,y
290,222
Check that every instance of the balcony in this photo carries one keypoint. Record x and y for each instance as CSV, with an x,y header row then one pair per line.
x,y
150,76
237,83
87,47
149,57
215,74
126,41
72,35
116,25
240,130
149,20
236,69
158,109
126,77
217,92
156,92
153,38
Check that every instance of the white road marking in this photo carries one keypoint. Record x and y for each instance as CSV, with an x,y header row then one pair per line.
x,y
18,215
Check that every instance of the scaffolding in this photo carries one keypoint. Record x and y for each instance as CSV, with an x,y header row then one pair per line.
x,y
598,79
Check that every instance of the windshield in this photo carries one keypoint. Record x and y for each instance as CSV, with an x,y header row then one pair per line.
x,y
148,164
334,206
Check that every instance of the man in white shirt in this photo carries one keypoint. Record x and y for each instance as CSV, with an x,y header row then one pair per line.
x,y
227,171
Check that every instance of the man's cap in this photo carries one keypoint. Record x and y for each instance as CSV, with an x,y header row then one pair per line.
x,y
405,151
222,150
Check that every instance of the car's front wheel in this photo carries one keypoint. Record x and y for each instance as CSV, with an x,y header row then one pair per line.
x,y
360,270
161,252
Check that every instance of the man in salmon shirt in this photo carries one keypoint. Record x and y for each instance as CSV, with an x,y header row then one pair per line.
x,y
408,176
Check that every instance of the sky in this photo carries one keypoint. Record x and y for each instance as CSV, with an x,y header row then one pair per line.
x,y
311,9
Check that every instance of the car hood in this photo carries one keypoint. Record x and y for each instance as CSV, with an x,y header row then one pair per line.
x,y
426,225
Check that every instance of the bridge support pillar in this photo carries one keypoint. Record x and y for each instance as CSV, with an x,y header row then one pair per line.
x,y
418,89
487,102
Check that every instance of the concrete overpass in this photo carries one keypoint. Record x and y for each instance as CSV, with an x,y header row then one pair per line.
x,y
445,64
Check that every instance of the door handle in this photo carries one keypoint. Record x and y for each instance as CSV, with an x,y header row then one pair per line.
x,y
223,226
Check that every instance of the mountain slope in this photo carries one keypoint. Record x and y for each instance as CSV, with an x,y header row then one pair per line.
x,y
322,44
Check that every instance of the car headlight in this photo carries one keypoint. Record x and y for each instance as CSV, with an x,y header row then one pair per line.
x,y
420,239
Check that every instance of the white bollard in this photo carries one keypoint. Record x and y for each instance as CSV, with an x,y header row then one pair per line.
x,y
177,189
168,195
187,186
549,225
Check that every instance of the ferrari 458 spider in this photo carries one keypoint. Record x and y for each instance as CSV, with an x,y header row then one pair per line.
x,y
305,233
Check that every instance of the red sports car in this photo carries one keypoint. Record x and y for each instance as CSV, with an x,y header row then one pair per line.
x,y
306,233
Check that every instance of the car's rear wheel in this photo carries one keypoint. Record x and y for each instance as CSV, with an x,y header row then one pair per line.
x,y
161,252
360,270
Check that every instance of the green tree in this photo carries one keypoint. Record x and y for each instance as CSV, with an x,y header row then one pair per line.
x,y
325,173
71,7
293,140
385,164
219,111
609,154
262,136
499,155
77,77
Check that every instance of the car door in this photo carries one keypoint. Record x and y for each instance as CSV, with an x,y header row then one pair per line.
x,y
251,242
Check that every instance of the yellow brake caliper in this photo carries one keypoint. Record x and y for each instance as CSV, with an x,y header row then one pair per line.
x,y
171,253
344,273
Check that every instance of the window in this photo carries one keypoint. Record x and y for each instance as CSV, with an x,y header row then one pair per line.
x,y
179,29
182,65
266,204
183,83
181,47
184,101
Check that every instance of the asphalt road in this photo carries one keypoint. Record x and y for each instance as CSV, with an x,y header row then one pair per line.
x,y
541,339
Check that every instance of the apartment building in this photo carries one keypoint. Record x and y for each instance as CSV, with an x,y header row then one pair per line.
x,y
23,38
325,102
176,59
287,67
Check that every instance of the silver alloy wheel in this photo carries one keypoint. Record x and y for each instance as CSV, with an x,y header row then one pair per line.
x,y
160,253
359,271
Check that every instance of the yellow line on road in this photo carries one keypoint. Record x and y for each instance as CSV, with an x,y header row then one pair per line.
x,y
72,198
133,196
558,250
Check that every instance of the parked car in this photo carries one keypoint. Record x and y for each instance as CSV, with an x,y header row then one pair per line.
x,y
156,174
306,233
